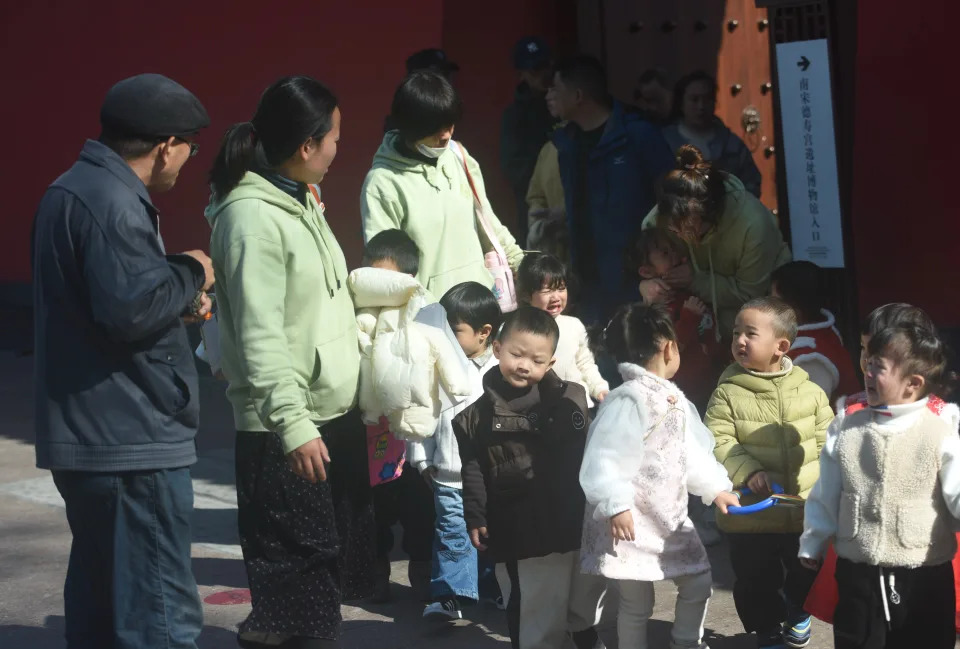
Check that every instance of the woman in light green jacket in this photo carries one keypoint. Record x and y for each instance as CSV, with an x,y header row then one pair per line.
x,y
418,184
732,238
289,349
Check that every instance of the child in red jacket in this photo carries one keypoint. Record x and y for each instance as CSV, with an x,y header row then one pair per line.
x,y
650,256
818,348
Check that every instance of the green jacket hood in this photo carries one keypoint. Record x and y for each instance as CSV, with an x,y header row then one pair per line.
x,y
255,186
389,156
790,377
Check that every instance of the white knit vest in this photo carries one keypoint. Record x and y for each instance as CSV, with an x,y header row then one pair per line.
x,y
892,511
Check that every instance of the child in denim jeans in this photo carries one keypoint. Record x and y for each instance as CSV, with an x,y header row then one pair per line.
x,y
474,316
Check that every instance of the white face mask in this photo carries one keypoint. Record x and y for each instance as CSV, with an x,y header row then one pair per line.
x,y
430,151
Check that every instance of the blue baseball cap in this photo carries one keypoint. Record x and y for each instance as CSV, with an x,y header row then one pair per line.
x,y
531,53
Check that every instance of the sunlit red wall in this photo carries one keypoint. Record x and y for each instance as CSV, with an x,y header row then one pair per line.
x,y
906,212
58,59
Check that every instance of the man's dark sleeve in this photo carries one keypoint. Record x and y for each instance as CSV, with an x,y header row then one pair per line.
x,y
135,291
474,488
515,160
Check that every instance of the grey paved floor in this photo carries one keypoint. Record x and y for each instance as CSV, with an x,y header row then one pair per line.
x,y
35,541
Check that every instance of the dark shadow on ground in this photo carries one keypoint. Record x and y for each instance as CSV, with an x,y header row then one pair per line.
x,y
215,526
50,636
229,573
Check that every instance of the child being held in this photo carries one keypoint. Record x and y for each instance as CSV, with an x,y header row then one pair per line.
x,y
645,451
651,255
889,494
542,283
770,423
818,348
474,315
521,445
389,299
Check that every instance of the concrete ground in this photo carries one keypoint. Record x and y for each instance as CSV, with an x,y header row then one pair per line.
x,y
35,543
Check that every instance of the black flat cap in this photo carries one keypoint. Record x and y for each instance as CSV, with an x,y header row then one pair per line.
x,y
151,105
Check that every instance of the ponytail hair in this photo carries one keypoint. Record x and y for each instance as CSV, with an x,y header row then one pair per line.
x,y
694,188
637,332
291,111
917,349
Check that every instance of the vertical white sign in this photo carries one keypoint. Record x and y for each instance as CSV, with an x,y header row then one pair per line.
x,y
809,152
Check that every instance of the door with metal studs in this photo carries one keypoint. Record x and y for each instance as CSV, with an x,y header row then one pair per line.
x,y
729,40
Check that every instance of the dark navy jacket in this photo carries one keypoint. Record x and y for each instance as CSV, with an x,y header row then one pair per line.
x,y
115,382
621,174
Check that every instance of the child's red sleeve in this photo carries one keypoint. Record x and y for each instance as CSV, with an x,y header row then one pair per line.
x,y
688,329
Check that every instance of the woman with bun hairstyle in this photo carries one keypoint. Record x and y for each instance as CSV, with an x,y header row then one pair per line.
x,y
733,241
288,339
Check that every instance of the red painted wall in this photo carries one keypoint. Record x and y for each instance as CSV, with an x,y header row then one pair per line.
x,y
58,60
906,219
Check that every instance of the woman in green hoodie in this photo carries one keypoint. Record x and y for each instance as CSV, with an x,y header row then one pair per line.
x,y
733,239
418,184
289,346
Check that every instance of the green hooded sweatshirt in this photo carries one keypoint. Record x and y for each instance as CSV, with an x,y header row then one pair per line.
x,y
288,335
434,205
733,261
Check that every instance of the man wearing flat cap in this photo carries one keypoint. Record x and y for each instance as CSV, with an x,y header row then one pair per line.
x,y
115,383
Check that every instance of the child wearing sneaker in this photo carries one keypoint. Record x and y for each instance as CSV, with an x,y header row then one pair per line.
x,y
521,445
889,496
818,348
474,315
770,422
542,283
645,451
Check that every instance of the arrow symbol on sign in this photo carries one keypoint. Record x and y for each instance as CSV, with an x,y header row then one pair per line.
x,y
803,63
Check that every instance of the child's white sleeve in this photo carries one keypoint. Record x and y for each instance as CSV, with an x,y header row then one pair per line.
x,y
612,456
706,477
950,473
823,505
420,453
587,364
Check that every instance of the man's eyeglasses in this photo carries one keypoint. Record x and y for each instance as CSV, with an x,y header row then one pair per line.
x,y
194,147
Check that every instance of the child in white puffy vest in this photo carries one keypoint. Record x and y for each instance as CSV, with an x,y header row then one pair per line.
x,y
888,496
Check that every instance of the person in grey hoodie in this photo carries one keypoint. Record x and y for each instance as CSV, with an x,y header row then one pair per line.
x,y
694,103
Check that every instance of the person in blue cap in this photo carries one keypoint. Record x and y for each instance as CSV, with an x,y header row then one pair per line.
x,y
527,124
116,389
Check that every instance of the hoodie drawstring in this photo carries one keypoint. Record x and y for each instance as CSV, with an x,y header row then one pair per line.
x,y
713,287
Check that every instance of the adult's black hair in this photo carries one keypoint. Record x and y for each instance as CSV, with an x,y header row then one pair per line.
x,y
473,304
291,111
586,74
539,271
528,319
651,75
128,147
680,89
424,103
395,245
800,284
637,332
895,314
694,188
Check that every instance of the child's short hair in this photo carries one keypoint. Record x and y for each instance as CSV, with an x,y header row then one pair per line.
x,y
528,319
473,304
784,317
799,284
395,245
641,246
917,350
637,331
895,314
537,271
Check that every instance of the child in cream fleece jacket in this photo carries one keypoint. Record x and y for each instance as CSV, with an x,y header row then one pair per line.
x,y
542,283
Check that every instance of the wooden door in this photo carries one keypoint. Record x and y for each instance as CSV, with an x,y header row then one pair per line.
x,y
729,40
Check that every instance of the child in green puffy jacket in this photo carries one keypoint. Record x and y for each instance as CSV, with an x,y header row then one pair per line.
x,y
770,423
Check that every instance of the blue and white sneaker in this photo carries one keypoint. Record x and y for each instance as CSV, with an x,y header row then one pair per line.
x,y
797,636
